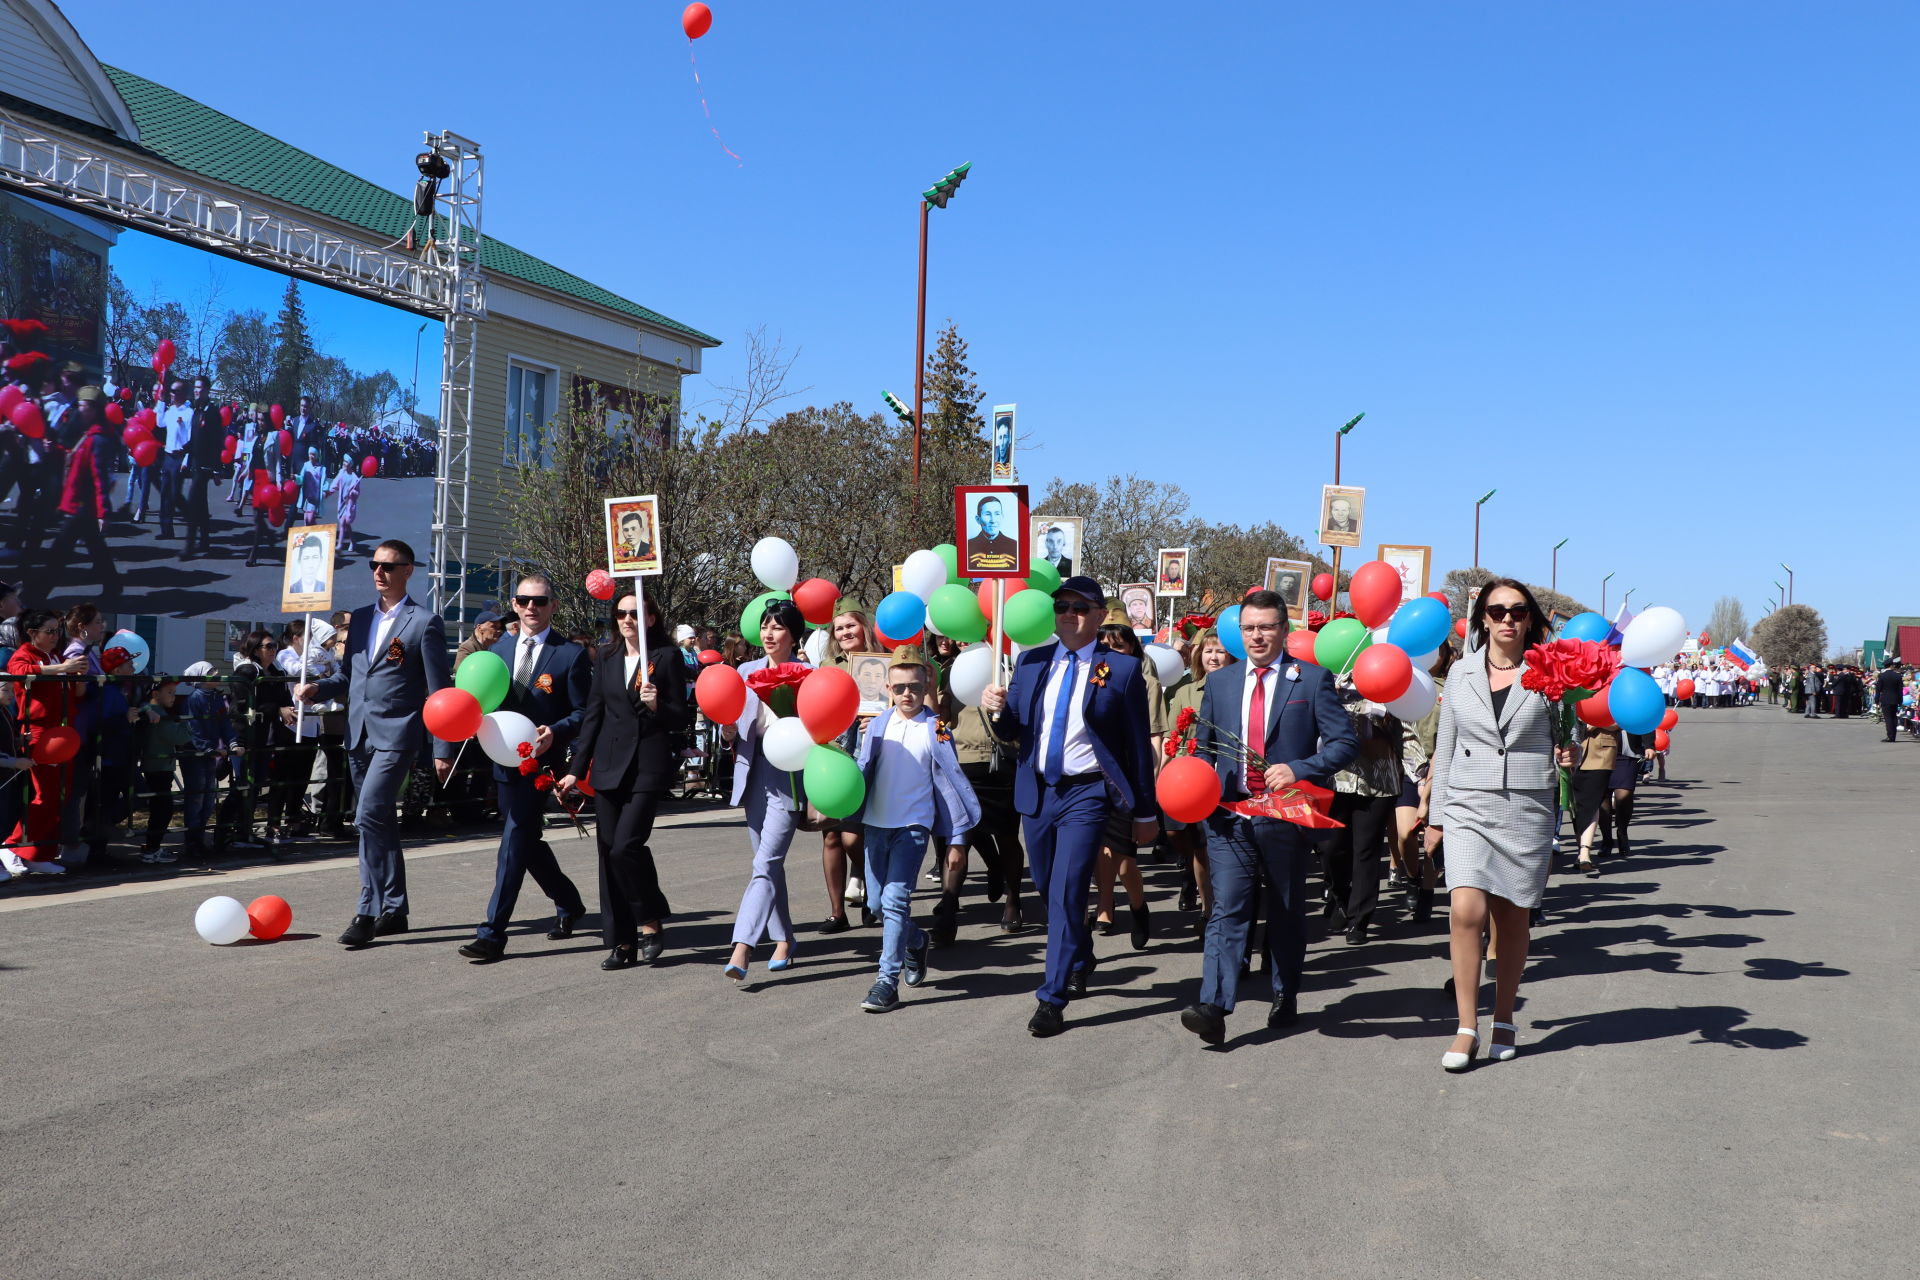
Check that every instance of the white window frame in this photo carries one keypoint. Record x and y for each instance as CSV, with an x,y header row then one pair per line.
x,y
510,453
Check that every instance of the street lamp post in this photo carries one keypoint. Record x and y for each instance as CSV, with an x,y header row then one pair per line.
x,y
1603,592
1789,583
1553,583
1476,525
1781,599
1339,436
941,192
1627,599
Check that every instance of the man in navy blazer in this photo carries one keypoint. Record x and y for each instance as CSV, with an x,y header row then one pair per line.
x,y
1078,712
1306,736
551,682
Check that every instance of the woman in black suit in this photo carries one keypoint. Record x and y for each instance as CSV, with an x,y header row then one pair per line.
x,y
628,750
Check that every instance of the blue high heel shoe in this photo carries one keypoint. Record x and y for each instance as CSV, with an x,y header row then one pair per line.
x,y
735,972
781,966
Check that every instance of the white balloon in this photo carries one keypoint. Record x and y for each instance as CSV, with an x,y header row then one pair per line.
x,y
222,921
1424,661
775,563
1417,700
816,646
923,574
137,651
1167,663
1653,637
971,673
501,733
787,744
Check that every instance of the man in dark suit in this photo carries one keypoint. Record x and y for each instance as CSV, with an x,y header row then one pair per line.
x,y
551,683
1304,734
991,551
1886,696
1077,711
396,658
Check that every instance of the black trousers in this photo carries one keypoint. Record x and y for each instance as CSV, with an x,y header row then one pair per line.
x,y
73,532
997,836
1353,856
292,771
629,882
1890,716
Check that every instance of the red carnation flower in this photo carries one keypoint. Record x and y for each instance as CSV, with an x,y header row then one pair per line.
x,y
544,782
1556,668
528,766
525,749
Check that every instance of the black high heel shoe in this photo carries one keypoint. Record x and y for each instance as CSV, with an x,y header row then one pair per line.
x,y
621,957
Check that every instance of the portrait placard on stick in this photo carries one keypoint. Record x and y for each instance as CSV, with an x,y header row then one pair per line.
x,y
1056,539
1170,581
992,529
633,536
1289,578
1411,563
308,584
1341,511
1003,443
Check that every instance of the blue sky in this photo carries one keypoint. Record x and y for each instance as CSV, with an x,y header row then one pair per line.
x,y
1644,267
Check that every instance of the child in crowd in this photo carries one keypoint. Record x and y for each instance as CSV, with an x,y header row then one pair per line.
x,y
168,738
211,728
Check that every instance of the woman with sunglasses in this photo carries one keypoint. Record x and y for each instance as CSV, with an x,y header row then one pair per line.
x,y
628,750
774,800
1495,792
843,844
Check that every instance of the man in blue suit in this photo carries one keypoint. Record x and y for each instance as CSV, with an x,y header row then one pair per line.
x,y
1077,711
551,682
396,658
1304,735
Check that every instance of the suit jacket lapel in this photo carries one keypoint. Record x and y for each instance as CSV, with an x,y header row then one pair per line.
x,y
1086,678
1515,695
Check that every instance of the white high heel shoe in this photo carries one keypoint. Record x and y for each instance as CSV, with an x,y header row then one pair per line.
x,y
1502,1052
1451,1061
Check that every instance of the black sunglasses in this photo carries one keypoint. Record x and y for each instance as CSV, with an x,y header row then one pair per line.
x,y
532,602
1071,606
620,613
388,566
1502,612
906,688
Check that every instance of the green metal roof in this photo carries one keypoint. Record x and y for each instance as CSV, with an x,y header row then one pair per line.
x,y
195,137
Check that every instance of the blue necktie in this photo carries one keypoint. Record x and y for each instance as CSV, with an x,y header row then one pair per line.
x,y
1057,734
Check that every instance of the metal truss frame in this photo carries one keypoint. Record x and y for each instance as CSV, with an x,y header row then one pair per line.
x,y
455,249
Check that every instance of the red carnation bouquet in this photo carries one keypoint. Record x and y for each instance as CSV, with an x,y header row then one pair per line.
x,y
778,686
1194,623
1565,672
1300,802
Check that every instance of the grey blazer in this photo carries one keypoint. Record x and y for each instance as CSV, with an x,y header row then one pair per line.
x,y
1473,752
384,698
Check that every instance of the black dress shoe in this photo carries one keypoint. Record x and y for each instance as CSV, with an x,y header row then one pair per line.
x,y
997,883
621,957
1208,1021
483,950
867,918
390,922
1356,935
359,933
946,923
1423,903
1047,1020
1078,979
651,945
1139,917
833,924
1105,928
1189,897
1285,1011
562,928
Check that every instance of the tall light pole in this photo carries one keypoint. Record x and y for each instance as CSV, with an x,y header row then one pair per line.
x,y
1338,437
1476,525
937,196
1603,593
1782,598
1789,583
1553,583
1627,599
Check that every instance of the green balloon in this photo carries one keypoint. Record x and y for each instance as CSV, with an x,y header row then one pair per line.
x,y
486,677
1339,643
1028,617
1042,576
750,616
834,783
956,612
950,556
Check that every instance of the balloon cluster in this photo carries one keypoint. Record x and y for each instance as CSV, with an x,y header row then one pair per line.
x,y
223,921
1632,700
470,709
1386,646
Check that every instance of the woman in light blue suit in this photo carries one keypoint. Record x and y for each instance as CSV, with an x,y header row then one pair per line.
x,y
1495,789
775,802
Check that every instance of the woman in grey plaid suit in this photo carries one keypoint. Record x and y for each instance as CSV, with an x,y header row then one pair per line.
x,y
1495,788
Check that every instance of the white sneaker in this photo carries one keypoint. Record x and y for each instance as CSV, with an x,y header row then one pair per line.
x,y
856,892
13,862
44,867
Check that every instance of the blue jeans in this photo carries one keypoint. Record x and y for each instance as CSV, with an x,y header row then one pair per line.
x,y
893,864
197,785
172,492
139,480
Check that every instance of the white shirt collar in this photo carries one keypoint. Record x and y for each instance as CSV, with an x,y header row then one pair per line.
x,y
1085,651
378,612
538,637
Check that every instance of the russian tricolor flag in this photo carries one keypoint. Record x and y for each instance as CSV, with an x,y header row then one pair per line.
x,y
1741,656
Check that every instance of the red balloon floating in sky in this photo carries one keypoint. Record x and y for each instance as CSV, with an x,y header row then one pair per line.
x,y
695,20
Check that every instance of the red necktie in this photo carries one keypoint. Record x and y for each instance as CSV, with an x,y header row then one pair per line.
x,y
1256,735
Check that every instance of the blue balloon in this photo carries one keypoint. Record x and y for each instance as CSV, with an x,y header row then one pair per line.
x,y
1420,626
1586,626
1227,622
1636,702
901,615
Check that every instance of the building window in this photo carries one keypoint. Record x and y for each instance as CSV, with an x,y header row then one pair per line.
x,y
529,407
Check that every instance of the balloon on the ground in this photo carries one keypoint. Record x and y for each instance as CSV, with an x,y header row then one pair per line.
x,y
1382,672
601,586
1167,663
815,599
775,563
834,783
134,646
1419,626
452,715
221,920
1227,625
1322,586
956,613
815,647
1339,643
269,916
1653,638
1669,720
1188,789
1585,626
970,674
1374,591
1418,700
719,692
1300,645
484,675
1029,617
828,701
1595,710
696,19
786,743
756,608
502,733
901,613
923,574
1042,576
1636,701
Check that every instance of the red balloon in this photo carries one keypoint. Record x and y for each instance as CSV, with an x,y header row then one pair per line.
x,y
226,457
1382,672
276,498
276,516
710,656
828,701
26,416
146,453
132,436
226,415
278,415
1683,690
1188,789
268,917
984,593
146,418
695,20
286,441
1594,710
888,643
262,476
452,715
163,356
10,396
369,466
1300,644
1322,586
1662,740
289,490
114,414
1441,596
57,745
600,585
1460,627
1375,593
815,599
720,693
231,443
1670,719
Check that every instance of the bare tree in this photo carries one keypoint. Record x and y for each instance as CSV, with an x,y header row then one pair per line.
x,y
1728,621
748,404
1128,520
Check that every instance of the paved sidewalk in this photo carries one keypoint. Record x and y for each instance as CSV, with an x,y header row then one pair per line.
x,y
1715,1078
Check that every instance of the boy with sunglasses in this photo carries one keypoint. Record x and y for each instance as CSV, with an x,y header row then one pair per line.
x,y
915,790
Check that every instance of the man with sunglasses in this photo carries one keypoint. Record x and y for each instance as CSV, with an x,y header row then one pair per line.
x,y
396,658
551,682
1078,712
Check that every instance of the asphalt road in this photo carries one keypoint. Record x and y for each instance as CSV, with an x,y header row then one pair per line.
x,y
1715,1079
